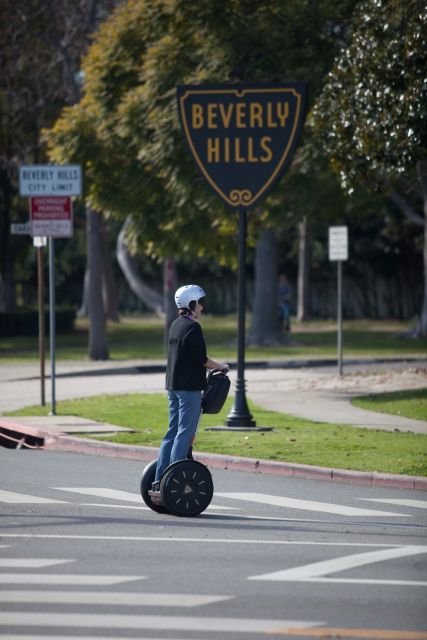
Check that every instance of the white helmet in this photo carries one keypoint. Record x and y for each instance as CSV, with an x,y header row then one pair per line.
x,y
186,294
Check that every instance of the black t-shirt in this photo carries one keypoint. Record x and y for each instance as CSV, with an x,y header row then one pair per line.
x,y
186,356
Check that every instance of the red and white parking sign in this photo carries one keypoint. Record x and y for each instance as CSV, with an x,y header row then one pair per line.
x,y
51,216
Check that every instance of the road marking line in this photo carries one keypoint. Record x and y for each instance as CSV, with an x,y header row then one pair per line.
x,y
103,492
209,541
343,632
128,506
29,563
62,637
111,598
240,516
12,497
174,623
316,632
308,505
400,502
115,494
368,581
65,579
314,570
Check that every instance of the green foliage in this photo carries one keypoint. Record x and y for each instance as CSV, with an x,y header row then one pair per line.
x,y
371,116
126,131
292,440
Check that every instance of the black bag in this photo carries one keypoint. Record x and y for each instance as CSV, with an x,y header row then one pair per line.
x,y
216,393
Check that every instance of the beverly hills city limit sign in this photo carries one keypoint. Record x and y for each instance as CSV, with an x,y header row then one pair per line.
x,y
242,137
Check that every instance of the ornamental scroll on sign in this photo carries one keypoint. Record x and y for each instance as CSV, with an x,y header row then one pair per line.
x,y
242,137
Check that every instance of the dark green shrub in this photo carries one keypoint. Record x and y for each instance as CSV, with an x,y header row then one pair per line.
x,y
25,322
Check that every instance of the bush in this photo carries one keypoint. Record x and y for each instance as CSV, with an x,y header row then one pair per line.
x,y
25,322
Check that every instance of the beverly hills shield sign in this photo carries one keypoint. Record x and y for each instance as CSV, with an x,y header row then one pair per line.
x,y
242,137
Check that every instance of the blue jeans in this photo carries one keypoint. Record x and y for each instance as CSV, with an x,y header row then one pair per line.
x,y
184,413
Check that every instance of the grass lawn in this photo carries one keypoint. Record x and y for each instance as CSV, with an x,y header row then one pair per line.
x,y
142,338
409,404
293,439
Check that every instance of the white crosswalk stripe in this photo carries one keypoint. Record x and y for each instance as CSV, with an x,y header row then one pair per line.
x,y
317,571
111,598
160,622
120,496
12,497
102,492
107,505
308,505
29,563
68,579
25,636
124,496
400,502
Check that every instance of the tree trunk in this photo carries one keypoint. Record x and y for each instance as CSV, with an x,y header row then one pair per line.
x,y
421,329
7,272
169,288
265,328
83,312
108,285
303,305
149,296
98,346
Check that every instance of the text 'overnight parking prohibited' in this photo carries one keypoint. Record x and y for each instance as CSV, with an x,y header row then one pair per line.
x,y
242,137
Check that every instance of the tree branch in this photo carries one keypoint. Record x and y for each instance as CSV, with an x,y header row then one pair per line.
x,y
404,206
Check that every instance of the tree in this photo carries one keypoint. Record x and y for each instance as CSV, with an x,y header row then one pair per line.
x,y
371,116
41,45
126,130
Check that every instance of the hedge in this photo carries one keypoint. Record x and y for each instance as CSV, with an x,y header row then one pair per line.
x,y
25,322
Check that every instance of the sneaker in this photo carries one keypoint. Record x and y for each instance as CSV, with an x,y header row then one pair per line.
x,y
155,486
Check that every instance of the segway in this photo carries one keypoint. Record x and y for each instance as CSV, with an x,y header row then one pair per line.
x,y
186,486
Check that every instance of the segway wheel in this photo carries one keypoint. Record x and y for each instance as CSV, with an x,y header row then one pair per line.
x,y
186,488
148,476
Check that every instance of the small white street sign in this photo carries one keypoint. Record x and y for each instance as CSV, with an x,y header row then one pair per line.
x,y
39,241
338,243
50,180
20,229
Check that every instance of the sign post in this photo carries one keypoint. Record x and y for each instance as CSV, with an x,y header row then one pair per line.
x,y
338,251
40,243
49,188
241,138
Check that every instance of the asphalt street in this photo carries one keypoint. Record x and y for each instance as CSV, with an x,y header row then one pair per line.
x,y
82,556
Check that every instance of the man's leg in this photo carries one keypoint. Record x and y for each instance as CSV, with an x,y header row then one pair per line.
x,y
189,414
164,459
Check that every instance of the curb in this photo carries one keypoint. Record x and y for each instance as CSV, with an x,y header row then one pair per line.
x,y
62,442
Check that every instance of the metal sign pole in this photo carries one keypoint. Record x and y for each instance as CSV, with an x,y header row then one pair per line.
x,y
239,415
52,320
339,316
40,270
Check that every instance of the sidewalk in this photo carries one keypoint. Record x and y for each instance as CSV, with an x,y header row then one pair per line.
x,y
313,392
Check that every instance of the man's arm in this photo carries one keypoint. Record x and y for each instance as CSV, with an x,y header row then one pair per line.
x,y
212,364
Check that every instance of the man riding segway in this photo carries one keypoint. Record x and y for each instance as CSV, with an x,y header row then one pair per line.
x,y
185,382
